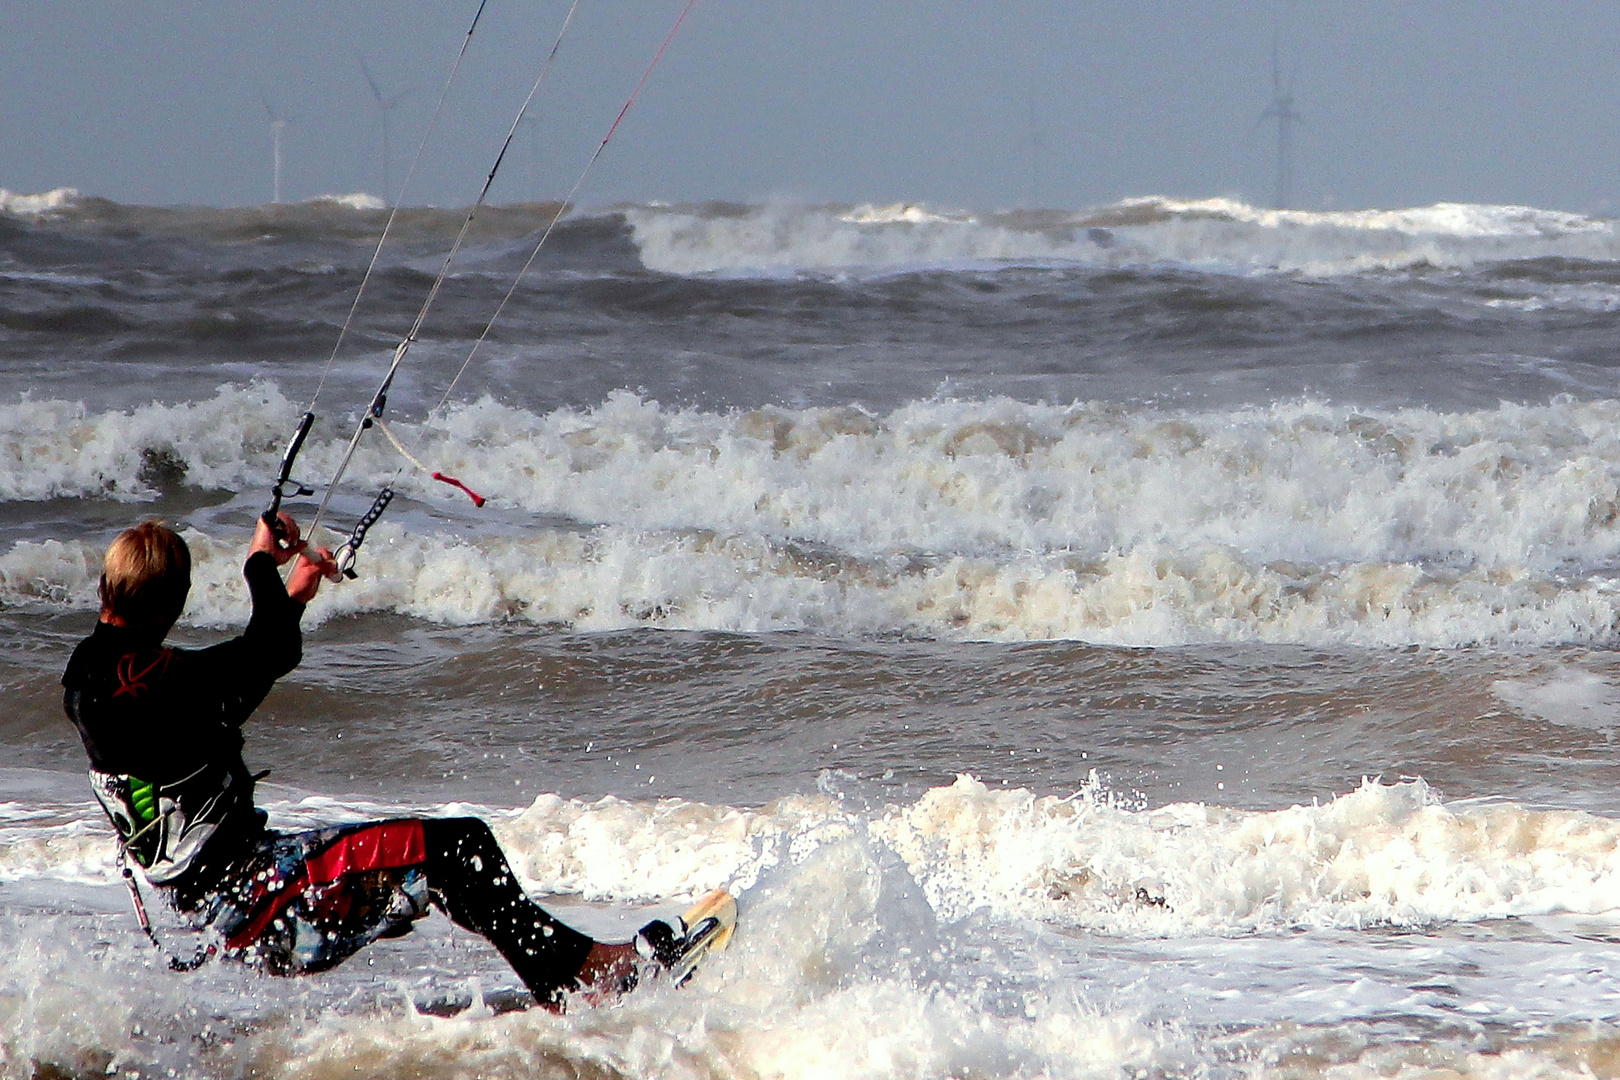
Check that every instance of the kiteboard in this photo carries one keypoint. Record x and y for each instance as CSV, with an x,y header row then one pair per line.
x,y
705,927
673,950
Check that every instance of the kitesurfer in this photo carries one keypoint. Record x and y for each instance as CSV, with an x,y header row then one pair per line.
x,y
162,727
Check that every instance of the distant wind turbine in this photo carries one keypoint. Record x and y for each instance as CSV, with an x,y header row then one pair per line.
x,y
278,124
385,106
1282,111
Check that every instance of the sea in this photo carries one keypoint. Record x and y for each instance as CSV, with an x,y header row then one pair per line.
x,y
1171,638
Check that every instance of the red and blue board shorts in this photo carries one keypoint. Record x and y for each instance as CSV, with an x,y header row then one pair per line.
x,y
305,901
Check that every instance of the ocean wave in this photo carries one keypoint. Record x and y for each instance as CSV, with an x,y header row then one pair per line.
x,y
1459,220
66,200
355,217
1514,486
833,976
1384,854
1297,522
51,448
777,239
611,579
1221,234
1381,855
354,200
55,201
874,942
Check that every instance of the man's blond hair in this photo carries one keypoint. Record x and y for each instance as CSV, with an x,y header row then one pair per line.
x,y
146,576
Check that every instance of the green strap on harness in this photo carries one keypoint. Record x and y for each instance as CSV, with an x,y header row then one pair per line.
x,y
143,799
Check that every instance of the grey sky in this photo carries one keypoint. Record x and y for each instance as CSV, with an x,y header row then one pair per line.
x,y
885,100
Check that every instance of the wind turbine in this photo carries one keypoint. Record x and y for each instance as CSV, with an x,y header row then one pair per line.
x,y
1282,111
385,105
278,124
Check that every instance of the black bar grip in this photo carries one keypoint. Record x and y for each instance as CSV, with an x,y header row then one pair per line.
x,y
271,516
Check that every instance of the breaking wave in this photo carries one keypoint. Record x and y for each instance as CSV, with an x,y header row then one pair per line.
x,y
871,944
356,216
773,239
1295,522
1381,855
1220,234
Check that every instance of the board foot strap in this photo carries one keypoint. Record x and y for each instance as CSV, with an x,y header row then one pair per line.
x,y
705,927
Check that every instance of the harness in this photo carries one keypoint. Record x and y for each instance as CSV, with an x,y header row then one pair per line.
x,y
176,963
163,828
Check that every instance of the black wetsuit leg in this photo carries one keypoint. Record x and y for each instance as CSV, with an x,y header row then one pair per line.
x,y
469,880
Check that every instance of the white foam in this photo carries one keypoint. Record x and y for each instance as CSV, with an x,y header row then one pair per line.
x,y
55,449
776,239
795,997
53,277
357,200
615,579
1357,1054
72,845
1570,698
900,214
812,990
1583,297
1296,522
45,202
1459,220
1211,233
1384,854
854,964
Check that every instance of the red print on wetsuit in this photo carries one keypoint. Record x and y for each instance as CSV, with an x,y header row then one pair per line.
x,y
133,682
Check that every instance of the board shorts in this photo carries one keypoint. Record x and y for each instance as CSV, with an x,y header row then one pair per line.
x,y
305,901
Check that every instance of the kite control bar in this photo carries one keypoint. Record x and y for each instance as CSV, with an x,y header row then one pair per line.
x,y
285,485
279,490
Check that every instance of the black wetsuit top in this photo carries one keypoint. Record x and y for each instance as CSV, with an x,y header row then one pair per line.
x,y
160,713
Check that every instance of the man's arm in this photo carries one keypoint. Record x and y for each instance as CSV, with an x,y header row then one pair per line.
x,y
272,644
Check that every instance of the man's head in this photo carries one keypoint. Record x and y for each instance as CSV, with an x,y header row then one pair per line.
x,y
145,578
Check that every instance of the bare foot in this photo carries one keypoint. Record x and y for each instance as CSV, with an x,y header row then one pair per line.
x,y
608,973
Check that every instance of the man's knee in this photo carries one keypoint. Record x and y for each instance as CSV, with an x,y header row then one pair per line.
x,y
446,834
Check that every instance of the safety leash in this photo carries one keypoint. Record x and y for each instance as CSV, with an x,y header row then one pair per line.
x,y
175,962
478,500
